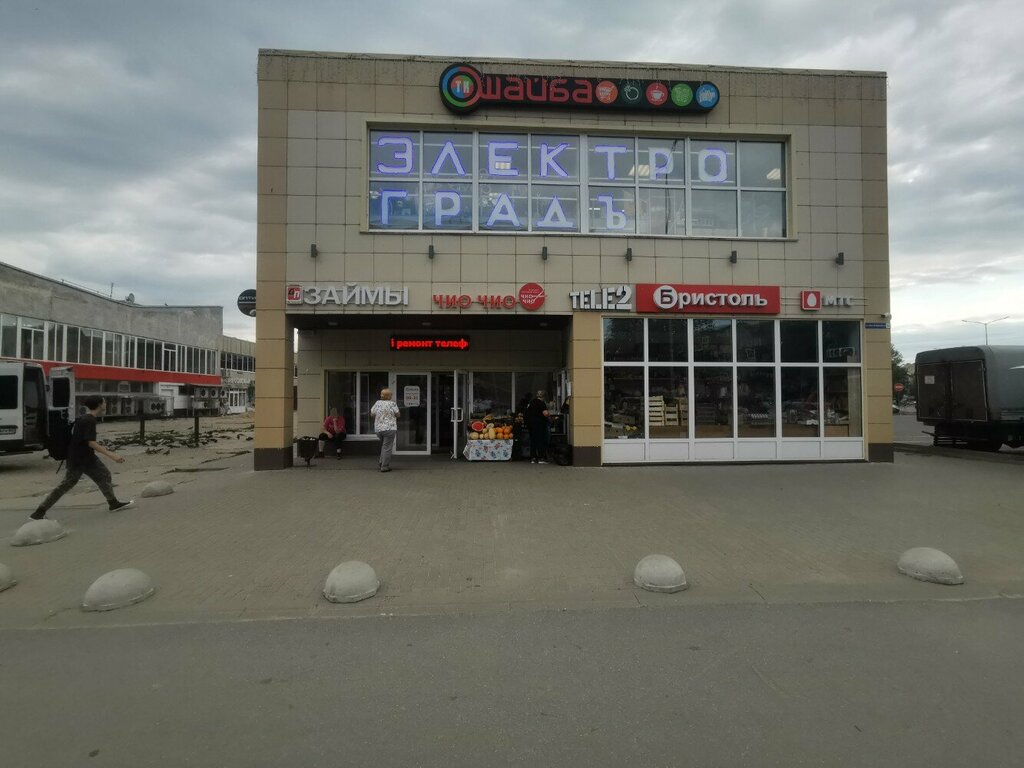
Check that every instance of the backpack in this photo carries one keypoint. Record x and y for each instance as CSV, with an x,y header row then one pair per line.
x,y
59,443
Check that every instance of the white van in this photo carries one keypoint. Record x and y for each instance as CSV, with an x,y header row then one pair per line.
x,y
30,406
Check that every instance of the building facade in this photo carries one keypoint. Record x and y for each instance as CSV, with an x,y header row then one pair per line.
x,y
691,261
163,360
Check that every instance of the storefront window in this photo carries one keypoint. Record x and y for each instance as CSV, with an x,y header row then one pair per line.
x,y
712,341
800,414
661,212
503,207
370,385
666,341
624,403
448,206
341,394
755,341
712,413
843,412
668,402
841,341
492,394
529,384
623,339
755,394
799,341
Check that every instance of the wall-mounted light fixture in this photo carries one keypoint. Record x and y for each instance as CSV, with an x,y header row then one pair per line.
x,y
840,259
430,251
629,254
544,253
313,251
733,258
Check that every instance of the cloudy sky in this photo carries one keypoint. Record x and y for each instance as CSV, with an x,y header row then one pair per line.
x,y
128,129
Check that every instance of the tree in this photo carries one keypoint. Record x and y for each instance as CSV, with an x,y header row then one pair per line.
x,y
900,374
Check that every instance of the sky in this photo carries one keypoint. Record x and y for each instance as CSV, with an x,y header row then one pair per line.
x,y
128,129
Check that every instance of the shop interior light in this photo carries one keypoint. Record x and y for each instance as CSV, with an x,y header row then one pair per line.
x,y
629,254
733,258
544,253
840,259
312,250
430,251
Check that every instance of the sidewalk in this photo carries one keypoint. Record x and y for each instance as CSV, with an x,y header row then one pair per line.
x,y
452,537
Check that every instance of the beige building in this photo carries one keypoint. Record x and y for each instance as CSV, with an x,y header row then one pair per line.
x,y
696,258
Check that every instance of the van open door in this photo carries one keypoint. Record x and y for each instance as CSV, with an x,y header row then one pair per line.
x,y
61,400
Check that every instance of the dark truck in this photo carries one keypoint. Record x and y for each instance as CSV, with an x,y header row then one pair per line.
x,y
972,396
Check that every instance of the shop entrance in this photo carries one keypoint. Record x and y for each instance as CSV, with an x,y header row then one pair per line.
x,y
412,394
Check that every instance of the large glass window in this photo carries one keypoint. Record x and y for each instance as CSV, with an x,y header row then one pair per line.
x,y
33,339
843,412
668,402
543,182
840,340
712,341
755,396
527,385
492,395
755,341
666,341
712,408
800,413
370,385
341,394
624,416
71,354
8,336
55,341
623,339
799,341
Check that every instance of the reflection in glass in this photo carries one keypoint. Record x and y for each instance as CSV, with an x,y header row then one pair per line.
x,y
764,214
755,341
667,403
394,205
612,209
799,341
556,208
448,155
370,385
555,158
712,341
503,207
800,416
712,410
661,161
624,403
448,206
843,411
755,397
504,157
610,159
492,395
713,162
623,339
661,211
762,164
841,341
714,213
666,340
394,154
341,394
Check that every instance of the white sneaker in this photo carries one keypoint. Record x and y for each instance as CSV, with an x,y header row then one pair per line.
x,y
542,462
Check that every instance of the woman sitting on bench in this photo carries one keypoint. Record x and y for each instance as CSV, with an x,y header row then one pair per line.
x,y
333,433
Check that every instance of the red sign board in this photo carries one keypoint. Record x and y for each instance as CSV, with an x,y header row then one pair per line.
x,y
810,300
531,298
897,387
709,299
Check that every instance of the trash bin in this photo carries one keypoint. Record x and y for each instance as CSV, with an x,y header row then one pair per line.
x,y
307,448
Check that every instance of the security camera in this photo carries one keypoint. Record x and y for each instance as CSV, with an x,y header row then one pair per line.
x,y
886,316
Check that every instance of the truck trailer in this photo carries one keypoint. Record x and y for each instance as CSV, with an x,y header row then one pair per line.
x,y
972,396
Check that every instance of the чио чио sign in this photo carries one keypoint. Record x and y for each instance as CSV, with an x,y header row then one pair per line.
x,y
464,89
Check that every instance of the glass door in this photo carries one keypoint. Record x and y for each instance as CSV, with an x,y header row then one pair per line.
x,y
412,394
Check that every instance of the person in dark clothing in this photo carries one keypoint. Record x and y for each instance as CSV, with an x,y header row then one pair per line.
x,y
538,425
82,460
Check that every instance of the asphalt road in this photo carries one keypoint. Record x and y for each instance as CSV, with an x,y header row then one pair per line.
x,y
856,684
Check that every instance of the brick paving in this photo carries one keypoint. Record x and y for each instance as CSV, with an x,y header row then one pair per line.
x,y
447,536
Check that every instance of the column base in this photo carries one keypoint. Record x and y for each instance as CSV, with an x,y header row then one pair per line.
x,y
880,452
273,458
586,456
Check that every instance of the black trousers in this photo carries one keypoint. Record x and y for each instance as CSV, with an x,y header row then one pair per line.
x,y
538,442
96,470
333,443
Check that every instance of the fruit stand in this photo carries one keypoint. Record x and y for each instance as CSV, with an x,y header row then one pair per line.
x,y
489,441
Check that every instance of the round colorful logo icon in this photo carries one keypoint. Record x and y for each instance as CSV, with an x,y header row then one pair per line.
x,y
460,87
606,92
707,95
531,296
631,91
657,94
682,95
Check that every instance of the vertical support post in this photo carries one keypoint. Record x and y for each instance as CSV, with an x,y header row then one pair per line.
x,y
142,421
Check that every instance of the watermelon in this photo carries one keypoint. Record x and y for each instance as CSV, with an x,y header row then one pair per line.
x,y
478,426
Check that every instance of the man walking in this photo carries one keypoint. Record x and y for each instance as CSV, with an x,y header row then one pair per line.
x,y
82,460
538,425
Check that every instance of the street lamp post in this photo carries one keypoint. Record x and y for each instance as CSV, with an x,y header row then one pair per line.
x,y
986,323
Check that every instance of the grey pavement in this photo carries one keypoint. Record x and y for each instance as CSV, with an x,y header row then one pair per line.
x,y
449,537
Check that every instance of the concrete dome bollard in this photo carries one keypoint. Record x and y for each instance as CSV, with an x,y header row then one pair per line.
x,y
927,564
659,573
157,488
118,589
351,582
7,579
38,532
